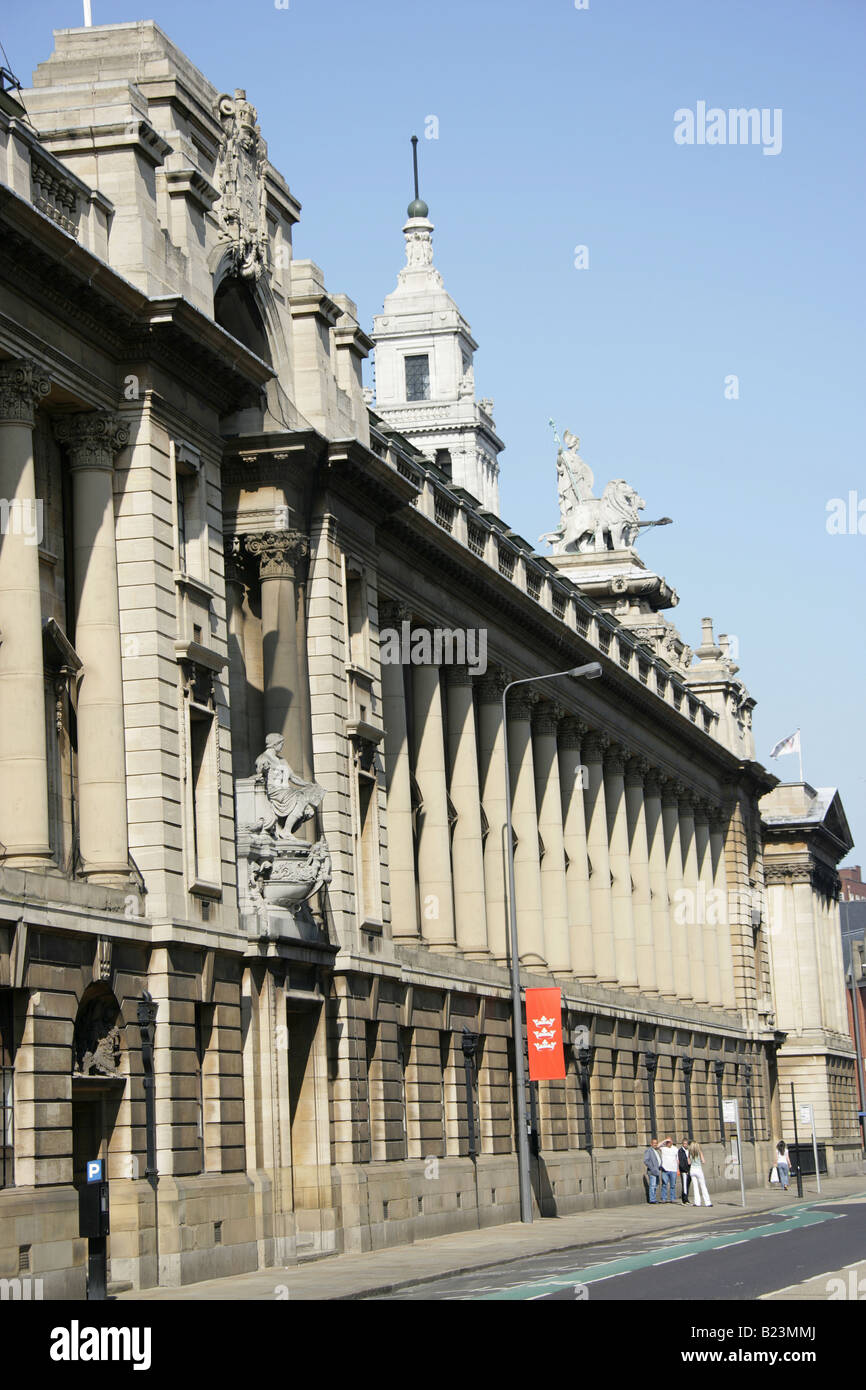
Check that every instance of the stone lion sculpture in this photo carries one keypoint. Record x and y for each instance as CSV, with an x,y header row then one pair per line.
x,y
609,522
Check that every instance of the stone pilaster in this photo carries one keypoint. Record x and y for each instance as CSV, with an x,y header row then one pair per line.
x,y
548,798
398,784
691,896
709,907
524,820
645,945
661,913
24,832
674,872
600,896
491,761
434,837
467,848
620,867
92,442
718,822
574,843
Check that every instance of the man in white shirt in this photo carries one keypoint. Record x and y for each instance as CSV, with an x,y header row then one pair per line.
x,y
670,1168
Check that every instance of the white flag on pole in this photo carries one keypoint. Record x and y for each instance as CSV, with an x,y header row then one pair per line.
x,y
786,745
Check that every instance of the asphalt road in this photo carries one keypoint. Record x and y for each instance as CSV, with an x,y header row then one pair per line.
x,y
738,1258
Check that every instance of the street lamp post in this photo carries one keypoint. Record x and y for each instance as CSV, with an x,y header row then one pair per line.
x,y
591,671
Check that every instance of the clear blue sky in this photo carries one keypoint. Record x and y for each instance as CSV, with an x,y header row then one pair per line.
x,y
556,129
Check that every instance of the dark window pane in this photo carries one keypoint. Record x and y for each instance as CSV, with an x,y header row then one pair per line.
x,y
418,378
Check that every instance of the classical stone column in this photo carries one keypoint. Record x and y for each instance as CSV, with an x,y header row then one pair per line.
x,y
524,821
718,825
642,913
548,799
694,910
243,756
398,787
434,839
24,833
660,903
92,441
280,554
711,908
601,901
674,872
574,843
620,867
491,762
467,849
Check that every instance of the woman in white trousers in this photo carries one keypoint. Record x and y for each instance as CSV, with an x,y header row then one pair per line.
x,y
696,1174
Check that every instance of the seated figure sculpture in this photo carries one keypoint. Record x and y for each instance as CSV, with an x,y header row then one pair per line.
x,y
290,800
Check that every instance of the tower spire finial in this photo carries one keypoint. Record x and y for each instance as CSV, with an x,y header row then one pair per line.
x,y
417,208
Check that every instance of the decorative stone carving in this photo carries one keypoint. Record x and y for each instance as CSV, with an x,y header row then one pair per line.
x,y
491,686
22,385
96,1041
92,438
279,872
291,800
278,552
240,177
572,732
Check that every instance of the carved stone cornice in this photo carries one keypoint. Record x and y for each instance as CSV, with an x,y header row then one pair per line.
x,y
491,686
572,732
22,385
279,553
92,438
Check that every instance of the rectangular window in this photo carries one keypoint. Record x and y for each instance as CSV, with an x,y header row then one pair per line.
x,y
203,797
356,616
7,1091
189,512
418,378
404,1058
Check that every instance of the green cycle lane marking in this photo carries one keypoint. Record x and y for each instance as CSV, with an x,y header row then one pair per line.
x,y
654,1257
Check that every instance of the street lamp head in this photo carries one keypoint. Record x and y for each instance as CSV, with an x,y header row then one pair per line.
x,y
589,672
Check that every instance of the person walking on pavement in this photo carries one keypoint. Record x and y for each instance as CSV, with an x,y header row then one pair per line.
x,y
783,1164
683,1161
670,1168
696,1173
653,1168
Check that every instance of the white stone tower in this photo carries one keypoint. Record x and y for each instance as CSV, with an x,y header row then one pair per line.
x,y
425,379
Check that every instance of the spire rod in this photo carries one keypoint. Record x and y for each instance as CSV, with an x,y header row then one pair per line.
x,y
415,161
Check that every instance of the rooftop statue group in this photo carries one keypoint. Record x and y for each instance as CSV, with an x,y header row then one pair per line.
x,y
588,523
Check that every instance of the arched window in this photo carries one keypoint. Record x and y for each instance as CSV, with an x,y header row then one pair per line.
x,y
236,311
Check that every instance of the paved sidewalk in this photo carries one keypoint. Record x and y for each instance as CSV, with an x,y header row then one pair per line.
x,y
383,1271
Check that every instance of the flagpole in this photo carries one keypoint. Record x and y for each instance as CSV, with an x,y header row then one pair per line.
x,y
800,753
88,16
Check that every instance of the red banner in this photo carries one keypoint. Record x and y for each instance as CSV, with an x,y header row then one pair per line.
x,y
544,1034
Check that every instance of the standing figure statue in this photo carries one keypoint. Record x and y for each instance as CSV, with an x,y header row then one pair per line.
x,y
574,483
291,800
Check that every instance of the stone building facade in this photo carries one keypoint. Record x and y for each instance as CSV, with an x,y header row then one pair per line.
x,y
254,646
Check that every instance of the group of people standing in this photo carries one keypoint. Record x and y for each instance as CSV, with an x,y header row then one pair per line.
x,y
663,1161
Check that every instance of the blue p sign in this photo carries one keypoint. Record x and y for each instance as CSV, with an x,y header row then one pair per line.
x,y
94,1169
